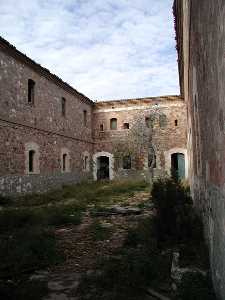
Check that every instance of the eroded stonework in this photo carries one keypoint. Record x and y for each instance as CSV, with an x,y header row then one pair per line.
x,y
53,135
200,28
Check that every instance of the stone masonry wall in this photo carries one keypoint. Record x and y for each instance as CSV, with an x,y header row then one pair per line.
x,y
204,78
65,141
132,112
207,114
43,125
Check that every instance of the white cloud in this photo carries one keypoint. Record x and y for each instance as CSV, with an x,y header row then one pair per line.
x,y
106,49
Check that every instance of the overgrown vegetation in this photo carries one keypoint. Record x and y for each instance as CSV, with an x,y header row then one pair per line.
x,y
145,259
179,227
176,218
131,269
27,240
100,231
23,289
195,287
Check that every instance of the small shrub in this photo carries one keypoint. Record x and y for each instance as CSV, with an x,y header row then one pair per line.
x,y
4,201
26,250
23,289
124,276
195,287
143,234
176,217
57,216
11,219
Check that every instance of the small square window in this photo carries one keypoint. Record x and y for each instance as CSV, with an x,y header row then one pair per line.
x,y
126,125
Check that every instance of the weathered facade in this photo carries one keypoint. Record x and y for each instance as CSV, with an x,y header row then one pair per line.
x,y
127,141
200,28
52,135
45,127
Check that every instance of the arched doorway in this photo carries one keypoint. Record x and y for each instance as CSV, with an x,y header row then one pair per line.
x,y
176,159
178,165
102,167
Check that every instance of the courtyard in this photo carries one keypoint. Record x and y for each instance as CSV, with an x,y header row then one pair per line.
x,y
92,241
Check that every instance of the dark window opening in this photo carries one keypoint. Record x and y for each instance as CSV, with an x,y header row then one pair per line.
x,y
162,121
85,117
113,124
195,102
63,107
64,162
147,122
126,126
127,162
101,127
31,161
85,162
175,122
31,85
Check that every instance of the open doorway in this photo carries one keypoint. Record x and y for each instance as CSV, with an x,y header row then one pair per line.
x,y
102,167
178,165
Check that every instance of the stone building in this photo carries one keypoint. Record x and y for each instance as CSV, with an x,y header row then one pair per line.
x,y
45,127
200,32
121,131
52,135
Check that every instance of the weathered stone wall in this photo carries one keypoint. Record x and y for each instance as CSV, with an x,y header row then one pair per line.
x,y
75,132
207,111
46,112
134,112
13,175
204,78
40,125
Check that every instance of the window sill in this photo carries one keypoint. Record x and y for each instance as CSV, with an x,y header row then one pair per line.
x,y
32,173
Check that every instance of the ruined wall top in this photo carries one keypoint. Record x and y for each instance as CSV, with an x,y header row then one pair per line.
x,y
148,101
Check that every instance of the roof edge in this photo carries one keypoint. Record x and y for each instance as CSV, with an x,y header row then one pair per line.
x,y
155,98
14,52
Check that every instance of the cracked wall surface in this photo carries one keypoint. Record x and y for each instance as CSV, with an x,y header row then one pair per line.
x,y
200,27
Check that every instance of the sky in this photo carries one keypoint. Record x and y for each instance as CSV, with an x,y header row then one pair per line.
x,y
106,49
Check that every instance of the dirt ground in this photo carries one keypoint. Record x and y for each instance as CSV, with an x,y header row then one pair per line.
x,y
82,247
